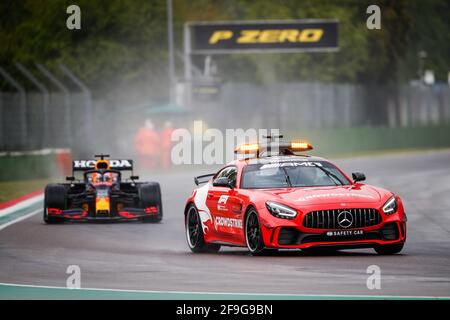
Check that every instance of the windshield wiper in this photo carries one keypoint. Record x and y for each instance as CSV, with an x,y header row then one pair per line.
x,y
288,179
330,175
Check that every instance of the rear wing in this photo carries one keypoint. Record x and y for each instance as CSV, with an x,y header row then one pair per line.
x,y
203,179
83,165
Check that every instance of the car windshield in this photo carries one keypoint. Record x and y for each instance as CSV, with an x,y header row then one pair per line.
x,y
292,174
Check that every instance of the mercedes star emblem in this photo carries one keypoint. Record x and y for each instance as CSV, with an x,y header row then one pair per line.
x,y
345,219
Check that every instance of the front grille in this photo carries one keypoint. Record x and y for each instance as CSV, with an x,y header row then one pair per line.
x,y
328,219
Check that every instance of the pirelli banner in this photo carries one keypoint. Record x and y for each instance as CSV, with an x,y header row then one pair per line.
x,y
263,36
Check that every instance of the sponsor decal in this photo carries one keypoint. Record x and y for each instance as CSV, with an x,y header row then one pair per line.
x,y
333,195
261,36
81,164
221,204
343,233
228,222
120,164
223,199
276,159
292,164
268,36
88,164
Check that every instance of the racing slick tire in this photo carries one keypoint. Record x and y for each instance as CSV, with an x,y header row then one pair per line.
x,y
55,197
194,233
150,195
388,249
253,235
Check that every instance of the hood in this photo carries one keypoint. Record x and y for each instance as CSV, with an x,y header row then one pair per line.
x,y
325,195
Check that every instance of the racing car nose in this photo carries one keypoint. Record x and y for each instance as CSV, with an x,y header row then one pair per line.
x,y
102,204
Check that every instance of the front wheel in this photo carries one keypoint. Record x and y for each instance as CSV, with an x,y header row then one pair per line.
x,y
55,198
253,234
389,249
150,195
194,233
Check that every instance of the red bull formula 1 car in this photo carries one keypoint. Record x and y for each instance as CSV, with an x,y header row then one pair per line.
x,y
279,199
103,194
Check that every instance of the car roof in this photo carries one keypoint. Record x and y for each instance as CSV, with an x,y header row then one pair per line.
x,y
277,159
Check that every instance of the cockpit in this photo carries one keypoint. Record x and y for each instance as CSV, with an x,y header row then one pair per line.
x,y
106,178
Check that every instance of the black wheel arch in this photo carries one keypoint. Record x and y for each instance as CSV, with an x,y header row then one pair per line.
x,y
186,208
247,210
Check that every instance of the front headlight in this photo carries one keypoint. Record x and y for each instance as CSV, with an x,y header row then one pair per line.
x,y
280,210
390,206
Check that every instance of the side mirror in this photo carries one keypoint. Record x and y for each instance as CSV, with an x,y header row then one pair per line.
x,y
134,177
222,182
71,179
358,176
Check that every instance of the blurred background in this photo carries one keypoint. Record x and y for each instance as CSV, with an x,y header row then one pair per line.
x,y
72,93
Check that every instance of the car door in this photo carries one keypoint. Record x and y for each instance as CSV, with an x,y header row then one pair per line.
x,y
225,206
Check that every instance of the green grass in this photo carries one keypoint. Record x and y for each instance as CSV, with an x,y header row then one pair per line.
x,y
14,189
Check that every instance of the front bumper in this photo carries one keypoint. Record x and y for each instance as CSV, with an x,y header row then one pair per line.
x,y
291,234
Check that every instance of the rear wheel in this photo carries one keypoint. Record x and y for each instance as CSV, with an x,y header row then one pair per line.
x,y
194,233
388,249
150,195
55,198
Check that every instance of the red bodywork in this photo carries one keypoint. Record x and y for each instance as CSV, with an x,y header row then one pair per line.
x,y
225,221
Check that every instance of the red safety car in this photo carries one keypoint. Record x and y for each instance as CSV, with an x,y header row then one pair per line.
x,y
278,197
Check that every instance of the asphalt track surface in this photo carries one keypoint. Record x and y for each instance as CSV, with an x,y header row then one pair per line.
x,y
155,256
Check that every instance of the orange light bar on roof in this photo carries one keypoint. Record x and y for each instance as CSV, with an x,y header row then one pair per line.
x,y
300,146
247,148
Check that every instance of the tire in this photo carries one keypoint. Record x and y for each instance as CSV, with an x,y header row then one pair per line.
x,y
253,235
389,249
150,195
194,233
55,197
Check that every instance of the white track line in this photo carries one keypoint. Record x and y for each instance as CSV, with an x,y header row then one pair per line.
x,y
229,293
3,226
21,205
